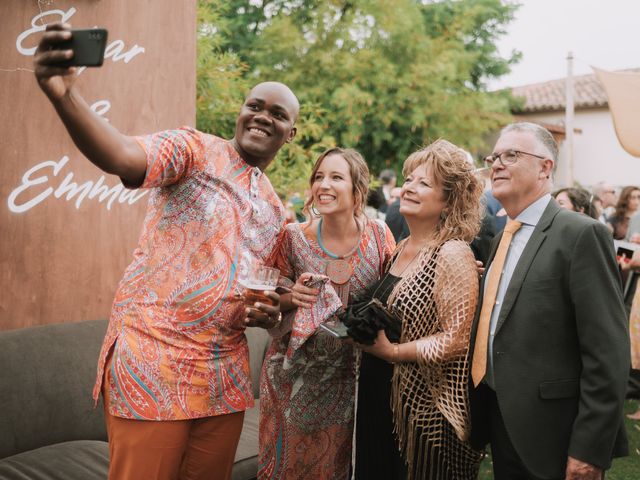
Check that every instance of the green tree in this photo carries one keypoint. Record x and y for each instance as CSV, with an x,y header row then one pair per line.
x,y
382,76
220,76
479,24
224,78
290,174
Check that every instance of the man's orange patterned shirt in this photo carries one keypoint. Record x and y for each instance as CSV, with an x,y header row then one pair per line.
x,y
176,335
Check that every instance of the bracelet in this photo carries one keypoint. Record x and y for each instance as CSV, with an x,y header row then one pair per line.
x,y
396,353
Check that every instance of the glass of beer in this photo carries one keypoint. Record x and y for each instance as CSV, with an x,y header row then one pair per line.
x,y
258,280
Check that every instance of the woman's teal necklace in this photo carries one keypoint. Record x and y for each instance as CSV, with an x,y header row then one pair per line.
x,y
330,254
338,269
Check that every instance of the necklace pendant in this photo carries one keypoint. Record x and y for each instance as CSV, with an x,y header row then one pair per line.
x,y
339,271
343,293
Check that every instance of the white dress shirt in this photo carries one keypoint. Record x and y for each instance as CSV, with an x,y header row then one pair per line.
x,y
529,218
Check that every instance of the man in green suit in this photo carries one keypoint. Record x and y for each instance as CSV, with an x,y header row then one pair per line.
x,y
550,342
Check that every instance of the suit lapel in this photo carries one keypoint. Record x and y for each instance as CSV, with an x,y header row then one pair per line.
x,y
524,263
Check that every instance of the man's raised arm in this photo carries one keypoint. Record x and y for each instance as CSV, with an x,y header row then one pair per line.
x,y
99,141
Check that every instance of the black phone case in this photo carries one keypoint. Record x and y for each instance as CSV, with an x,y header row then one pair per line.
x,y
624,251
88,48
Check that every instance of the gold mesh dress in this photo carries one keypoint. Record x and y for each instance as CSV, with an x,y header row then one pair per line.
x,y
435,302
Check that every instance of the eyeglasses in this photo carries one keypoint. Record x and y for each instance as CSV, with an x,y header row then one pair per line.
x,y
506,158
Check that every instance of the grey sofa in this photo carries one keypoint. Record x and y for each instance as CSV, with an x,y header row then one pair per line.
x,y
49,429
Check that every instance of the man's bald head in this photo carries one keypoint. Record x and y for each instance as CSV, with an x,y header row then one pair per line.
x,y
285,94
265,123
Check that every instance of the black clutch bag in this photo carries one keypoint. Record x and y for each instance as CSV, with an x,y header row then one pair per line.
x,y
365,317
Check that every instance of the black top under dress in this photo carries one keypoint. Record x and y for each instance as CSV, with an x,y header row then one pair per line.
x,y
377,454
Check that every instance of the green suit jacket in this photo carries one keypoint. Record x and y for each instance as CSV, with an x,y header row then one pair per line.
x,y
561,348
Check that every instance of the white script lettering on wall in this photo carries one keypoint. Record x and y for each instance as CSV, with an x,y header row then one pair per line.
x,y
101,107
28,194
38,181
114,51
29,51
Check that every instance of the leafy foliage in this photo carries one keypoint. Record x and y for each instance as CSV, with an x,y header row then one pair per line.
x,y
220,76
382,76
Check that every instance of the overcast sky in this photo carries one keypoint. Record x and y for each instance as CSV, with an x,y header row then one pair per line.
x,y
602,33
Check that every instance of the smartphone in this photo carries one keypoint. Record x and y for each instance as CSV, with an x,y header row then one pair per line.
x,y
627,252
88,47
337,329
314,281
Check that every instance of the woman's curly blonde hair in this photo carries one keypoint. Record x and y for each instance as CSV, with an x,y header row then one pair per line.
x,y
461,217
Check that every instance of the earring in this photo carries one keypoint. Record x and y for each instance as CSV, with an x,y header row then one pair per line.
x,y
314,210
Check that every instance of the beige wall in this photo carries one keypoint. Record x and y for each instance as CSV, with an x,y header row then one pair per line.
x,y
597,153
63,253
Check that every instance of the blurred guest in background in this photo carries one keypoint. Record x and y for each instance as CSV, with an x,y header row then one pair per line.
x,y
494,208
381,197
481,244
395,221
607,194
627,205
577,200
388,179
632,303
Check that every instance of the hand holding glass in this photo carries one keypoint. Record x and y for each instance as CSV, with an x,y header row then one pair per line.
x,y
258,280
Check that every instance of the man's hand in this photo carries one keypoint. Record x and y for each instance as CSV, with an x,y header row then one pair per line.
x,y
579,470
98,140
264,315
54,81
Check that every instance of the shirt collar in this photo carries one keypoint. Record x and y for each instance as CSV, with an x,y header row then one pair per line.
x,y
532,214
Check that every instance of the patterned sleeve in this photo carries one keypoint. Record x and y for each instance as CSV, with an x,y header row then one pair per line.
x,y
389,243
456,295
171,155
282,259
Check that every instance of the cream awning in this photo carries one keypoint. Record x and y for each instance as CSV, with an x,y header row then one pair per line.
x,y
623,90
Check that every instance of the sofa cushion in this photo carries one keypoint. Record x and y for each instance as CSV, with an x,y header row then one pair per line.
x,y
48,423
89,459
47,376
246,461
78,460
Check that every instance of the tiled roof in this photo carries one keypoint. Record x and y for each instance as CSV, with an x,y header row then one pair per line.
x,y
550,96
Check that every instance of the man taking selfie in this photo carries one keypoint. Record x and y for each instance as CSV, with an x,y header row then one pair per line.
x,y
174,367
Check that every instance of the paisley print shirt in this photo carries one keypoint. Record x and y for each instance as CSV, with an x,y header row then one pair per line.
x,y
176,339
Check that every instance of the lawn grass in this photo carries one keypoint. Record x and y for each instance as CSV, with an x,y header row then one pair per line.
x,y
627,468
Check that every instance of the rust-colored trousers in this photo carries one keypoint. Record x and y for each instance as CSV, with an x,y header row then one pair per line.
x,y
199,449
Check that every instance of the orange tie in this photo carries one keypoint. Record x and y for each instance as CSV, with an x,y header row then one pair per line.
x,y
479,367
